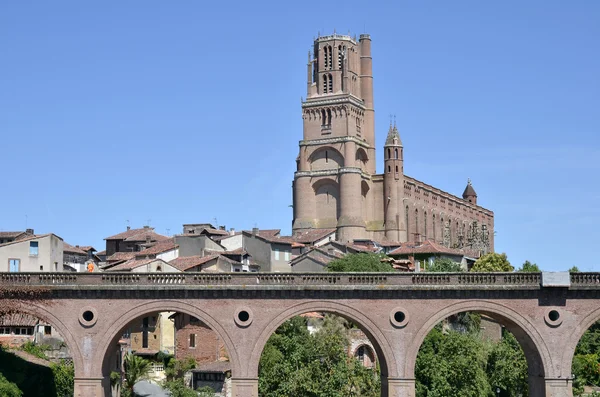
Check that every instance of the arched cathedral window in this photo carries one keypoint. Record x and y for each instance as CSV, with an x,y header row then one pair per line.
x,y
330,83
396,154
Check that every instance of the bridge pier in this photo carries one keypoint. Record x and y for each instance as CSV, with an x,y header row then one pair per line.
x,y
561,387
399,387
244,387
88,387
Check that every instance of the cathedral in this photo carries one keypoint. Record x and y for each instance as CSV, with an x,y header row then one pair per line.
x,y
336,185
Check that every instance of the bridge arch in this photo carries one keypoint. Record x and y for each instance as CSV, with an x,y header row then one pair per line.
x,y
115,331
535,348
44,312
383,349
575,336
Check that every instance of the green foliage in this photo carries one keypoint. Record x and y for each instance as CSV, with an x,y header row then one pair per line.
x,y
296,363
529,267
451,364
463,364
32,379
492,262
363,262
587,368
115,378
36,350
175,369
205,391
136,369
574,269
64,378
9,389
444,265
466,321
507,367
178,389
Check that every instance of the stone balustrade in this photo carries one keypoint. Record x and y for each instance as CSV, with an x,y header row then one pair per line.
x,y
292,280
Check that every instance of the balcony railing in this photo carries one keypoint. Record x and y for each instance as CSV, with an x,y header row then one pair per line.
x,y
290,281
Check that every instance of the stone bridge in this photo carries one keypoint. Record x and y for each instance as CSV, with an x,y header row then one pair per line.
x,y
547,312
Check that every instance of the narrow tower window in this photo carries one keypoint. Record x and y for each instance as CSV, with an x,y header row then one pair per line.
x,y
325,57
330,56
389,169
340,56
425,225
328,116
396,169
323,117
406,220
326,156
324,83
416,225
396,154
330,83
433,225
389,153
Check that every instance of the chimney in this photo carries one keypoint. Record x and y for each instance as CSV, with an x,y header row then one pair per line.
x,y
128,227
232,232
76,246
222,228
146,227
30,231
254,231
148,240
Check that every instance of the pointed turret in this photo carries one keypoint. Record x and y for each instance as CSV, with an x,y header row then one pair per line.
x,y
469,193
393,185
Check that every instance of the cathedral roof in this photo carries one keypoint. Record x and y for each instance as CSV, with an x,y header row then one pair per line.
x,y
469,191
393,137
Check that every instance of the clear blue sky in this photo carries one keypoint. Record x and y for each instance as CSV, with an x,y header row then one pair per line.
x,y
182,112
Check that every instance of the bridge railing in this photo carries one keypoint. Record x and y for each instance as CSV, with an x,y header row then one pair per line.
x,y
299,280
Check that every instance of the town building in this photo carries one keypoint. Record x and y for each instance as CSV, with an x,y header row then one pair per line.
x,y
41,253
336,184
7,237
132,240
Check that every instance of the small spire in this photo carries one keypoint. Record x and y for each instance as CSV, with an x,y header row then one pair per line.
x,y
468,181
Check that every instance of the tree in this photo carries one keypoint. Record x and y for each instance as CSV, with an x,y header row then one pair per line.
x,y
451,364
296,363
174,372
9,389
492,262
136,369
362,262
529,267
64,378
444,265
507,367
574,269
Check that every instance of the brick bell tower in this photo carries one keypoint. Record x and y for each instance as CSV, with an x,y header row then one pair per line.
x,y
332,186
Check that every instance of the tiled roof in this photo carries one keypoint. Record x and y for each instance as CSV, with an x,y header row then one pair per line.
x,y
131,264
312,315
138,235
387,243
159,248
121,256
188,262
72,249
427,247
128,233
27,238
87,248
469,191
103,252
144,236
313,235
319,255
215,231
215,367
10,234
21,319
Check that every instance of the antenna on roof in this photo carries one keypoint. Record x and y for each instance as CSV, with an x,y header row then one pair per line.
x,y
25,221
149,220
168,232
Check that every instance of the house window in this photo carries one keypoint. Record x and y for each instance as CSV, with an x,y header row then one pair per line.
x,y
14,265
4,331
276,254
287,255
192,341
47,330
33,248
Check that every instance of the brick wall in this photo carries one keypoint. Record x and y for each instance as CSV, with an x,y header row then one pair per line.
x,y
208,345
